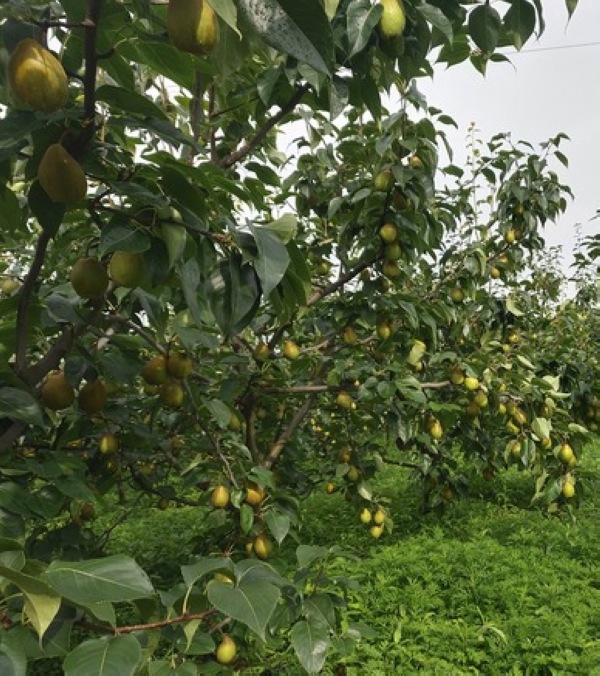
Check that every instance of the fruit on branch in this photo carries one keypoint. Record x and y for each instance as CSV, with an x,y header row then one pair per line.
x,y
192,26
254,495
344,400
108,444
457,377
163,503
416,353
61,176
471,383
291,350
330,488
234,424
510,236
226,650
457,294
323,267
87,511
393,18
566,454
89,278
179,365
353,474
435,429
261,352
171,394
568,489
345,454
263,547
384,329
515,448
155,370
57,393
92,397
9,286
349,335
219,498
376,532
37,77
388,232
481,399
384,180
126,268
379,517
392,252
391,269
366,516
495,272
415,162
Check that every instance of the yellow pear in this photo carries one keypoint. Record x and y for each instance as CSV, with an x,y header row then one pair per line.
x,y
192,26
37,78
263,547
108,444
291,350
366,516
393,18
89,278
226,650
127,268
61,176
57,393
219,498
388,232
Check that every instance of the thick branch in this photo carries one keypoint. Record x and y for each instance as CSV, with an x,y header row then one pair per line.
x,y
277,448
90,25
340,281
243,150
25,299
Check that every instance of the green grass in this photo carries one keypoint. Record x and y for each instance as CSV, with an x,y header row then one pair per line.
x,y
490,585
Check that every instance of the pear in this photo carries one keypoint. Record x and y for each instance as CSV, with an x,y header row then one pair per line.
x,y
37,78
92,397
388,232
61,176
171,394
291,350
255,495
566,453
219,498
384,180
155,370
179,365
57,393
89,278
393,19
192,26
108,444
127,268
344,400
226,650
263,547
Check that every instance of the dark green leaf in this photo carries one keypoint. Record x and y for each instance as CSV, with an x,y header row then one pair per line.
x,y
116,656
273,258
251,602
361,19
520,22
128,101
114,579
49,214
20,405
300,29
484,27
311,642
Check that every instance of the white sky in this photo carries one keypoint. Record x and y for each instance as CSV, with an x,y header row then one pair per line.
x,y
547,92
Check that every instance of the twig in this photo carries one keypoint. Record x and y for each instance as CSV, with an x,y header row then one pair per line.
x,y
243,150
129,629
340,281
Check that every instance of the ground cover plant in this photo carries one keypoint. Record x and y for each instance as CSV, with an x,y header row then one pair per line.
x,y
209,321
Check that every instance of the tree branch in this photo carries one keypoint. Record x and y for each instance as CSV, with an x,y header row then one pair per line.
x,y
277,448
24,301
340,281
129,629
243,150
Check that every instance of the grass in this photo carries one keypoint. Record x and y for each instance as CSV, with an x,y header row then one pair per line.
x,y
489,586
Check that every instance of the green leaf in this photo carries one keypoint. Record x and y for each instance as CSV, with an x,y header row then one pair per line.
x,y
484,27
121,235
541,427
284,227
41,602
227,11
233,294
251,602
571,6
117,656
13,659
19,405
306,554
300,29
278,523
361,19
520,21
311,642
205,566
273,258
174,237
128,101
114,578
438,19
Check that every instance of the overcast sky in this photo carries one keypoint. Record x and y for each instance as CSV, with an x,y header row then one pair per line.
x,y
551,88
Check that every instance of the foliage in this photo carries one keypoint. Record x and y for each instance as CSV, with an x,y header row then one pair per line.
x,y
266,312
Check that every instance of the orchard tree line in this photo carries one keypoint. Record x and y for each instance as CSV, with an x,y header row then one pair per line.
x,y
198,311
